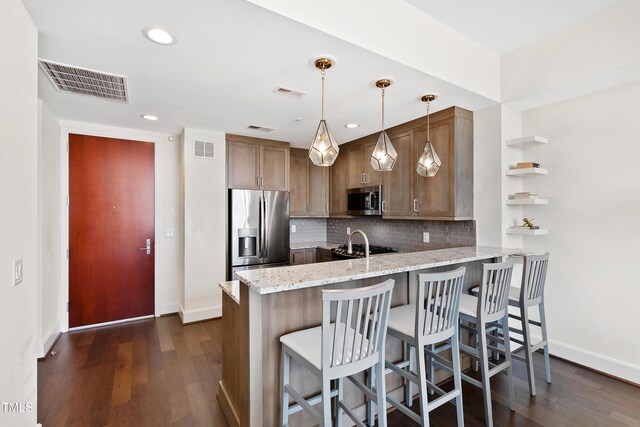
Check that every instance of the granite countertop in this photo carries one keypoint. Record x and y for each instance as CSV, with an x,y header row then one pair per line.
x,y
309,245
231,288
270,280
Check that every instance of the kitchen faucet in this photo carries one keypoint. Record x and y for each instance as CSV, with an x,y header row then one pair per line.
x,y
366,243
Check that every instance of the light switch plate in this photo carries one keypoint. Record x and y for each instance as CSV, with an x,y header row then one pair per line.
x,y
293,228
17,272
348,230
425,237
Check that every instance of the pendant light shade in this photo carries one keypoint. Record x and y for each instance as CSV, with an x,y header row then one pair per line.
x,y
324,149
429,163
384,155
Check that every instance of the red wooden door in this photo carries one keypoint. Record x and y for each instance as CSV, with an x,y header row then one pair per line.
x,y
111,216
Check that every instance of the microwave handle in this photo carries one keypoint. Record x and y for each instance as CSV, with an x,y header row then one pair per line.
x,y
371,197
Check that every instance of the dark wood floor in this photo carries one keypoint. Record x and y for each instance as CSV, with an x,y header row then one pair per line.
x,y
159,373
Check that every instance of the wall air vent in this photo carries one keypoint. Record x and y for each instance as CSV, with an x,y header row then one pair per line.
x,y
67,78
292,93
260,128
204,150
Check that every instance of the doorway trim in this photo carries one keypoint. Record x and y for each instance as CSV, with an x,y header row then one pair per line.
x,y
92,129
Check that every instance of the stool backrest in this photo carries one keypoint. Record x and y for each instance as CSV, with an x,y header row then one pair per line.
x,y
353,342
533,279
438,305
493,297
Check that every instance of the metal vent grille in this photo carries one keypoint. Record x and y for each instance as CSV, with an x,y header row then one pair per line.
x,y
205,150
292,93
67,78
260,128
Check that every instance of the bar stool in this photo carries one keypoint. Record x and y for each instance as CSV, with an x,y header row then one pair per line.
x,y
487,311
530,294
353,343
433,320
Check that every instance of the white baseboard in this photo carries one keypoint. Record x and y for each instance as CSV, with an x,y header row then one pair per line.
x,y
168,309
43,347
200,314
608,365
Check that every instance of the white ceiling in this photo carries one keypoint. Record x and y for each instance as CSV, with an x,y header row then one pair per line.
x,y
229,58
505,25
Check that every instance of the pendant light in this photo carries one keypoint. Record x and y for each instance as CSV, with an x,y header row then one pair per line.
x,y
429,162
324,149
384,155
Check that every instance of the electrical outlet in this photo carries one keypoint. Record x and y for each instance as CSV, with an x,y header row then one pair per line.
x,y
293,228
425,237
17,272
348,230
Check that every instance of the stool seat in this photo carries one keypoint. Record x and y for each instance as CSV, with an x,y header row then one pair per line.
x,y
308,344
468,305
402,320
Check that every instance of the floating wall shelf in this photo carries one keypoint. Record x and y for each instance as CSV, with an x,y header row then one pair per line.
x,y
527,201
533,139
526,171
524,231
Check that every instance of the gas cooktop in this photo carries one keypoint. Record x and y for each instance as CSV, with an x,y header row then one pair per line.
x,y
358,251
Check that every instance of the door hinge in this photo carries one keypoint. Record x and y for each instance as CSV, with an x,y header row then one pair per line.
x,y
67,306
67,200
67,253
67,147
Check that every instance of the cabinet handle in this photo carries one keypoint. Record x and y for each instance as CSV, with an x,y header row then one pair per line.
x,y
384,206
257,181
415,205
261,181
365,177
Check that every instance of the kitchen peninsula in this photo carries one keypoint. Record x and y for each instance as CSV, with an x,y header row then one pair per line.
x,y
268,303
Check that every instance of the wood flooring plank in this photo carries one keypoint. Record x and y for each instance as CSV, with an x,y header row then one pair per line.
x,y
624,419
166,343
122,382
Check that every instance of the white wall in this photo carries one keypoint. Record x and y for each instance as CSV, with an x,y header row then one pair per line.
x,y
18,213
168,279
205,195
487,176
593,283
48,233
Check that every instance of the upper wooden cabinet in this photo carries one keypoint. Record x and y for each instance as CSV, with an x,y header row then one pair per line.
x,y
449,194
257,164
339,184
309,186
360,172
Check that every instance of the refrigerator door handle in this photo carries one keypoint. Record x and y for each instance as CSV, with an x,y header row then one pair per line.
x,y
260,227
265,245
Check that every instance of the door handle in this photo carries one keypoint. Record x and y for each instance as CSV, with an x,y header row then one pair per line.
x,y
265,244
147,248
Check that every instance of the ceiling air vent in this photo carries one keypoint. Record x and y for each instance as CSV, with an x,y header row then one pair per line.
x,y
260,128
67,78
292,93
204,150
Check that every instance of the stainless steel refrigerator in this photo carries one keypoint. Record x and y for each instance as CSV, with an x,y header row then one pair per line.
x,y
259,229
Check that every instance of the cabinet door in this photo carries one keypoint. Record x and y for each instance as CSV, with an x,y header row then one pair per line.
x,y
339,186
274,168
371,177
436,194
398,188
354,168
318,190
297,256
298,195
310,256
243,165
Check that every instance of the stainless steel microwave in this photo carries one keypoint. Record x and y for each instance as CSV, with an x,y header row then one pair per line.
x,y
364,201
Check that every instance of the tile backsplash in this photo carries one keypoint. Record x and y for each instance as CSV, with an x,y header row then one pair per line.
x,y
308,230
404,235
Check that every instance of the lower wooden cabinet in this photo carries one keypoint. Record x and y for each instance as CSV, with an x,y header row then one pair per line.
x,y
303,256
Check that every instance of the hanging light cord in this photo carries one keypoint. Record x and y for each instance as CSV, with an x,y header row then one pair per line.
x,y
323,73
383,109
428,138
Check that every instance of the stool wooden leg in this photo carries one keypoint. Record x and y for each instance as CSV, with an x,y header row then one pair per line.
x,y
422,377
528,354
381,395
543,323
371,420
339,411
432,368
484,370
507,356
326,402
408,386
457,378
284,380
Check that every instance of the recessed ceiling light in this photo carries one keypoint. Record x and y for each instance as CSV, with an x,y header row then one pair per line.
x,y
149,117
351,125
158,35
